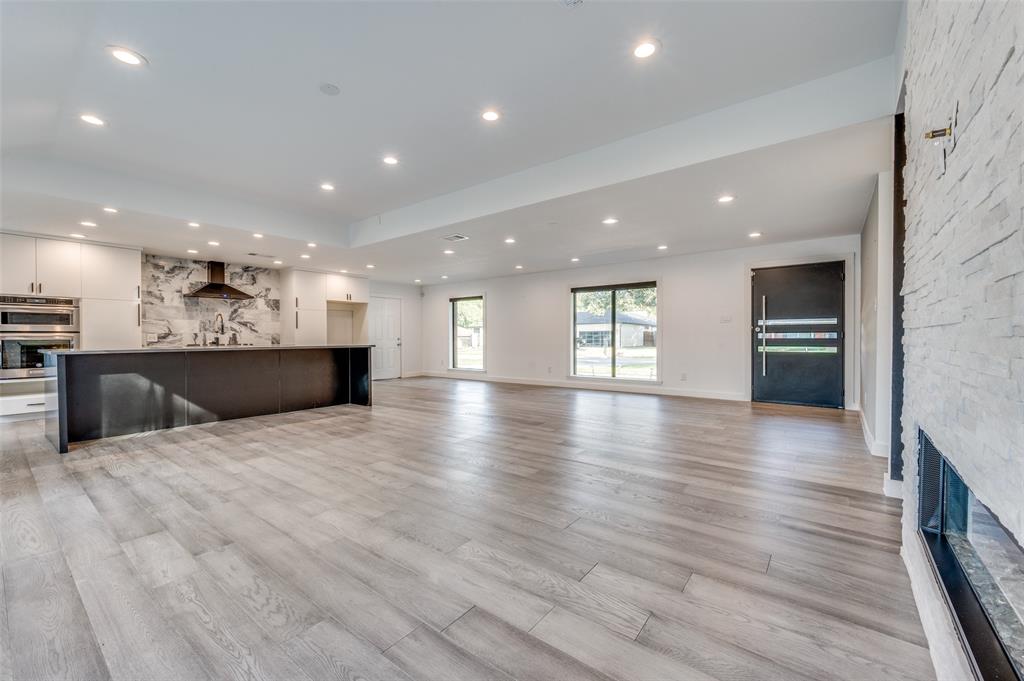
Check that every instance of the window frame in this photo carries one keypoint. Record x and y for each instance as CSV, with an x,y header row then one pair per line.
x,y
613,336
453,332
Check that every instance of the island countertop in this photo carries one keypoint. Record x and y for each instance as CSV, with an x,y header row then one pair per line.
x,y
202,348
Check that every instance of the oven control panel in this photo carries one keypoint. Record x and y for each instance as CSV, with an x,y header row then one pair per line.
x,y
35,300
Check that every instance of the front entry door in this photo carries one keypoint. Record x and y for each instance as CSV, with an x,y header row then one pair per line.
x,y
797,334
386,336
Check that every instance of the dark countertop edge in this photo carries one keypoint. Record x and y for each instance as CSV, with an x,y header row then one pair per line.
x,y
208,348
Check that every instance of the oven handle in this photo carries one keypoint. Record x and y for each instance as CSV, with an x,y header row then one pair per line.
x,y
39,336
42,309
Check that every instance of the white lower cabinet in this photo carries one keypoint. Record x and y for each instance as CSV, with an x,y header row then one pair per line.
x,y
310,327
110,324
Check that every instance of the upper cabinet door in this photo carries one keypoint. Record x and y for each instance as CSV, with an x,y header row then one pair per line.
x,y
58,268
336,286
110,273
359,289
309,289
17,265
347,289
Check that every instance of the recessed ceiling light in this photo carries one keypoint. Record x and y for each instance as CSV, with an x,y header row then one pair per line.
x,y
662,247
77,236
305,255
490,115
519,267
370,267
330,89
444,276
87,223
311,245
92,120
645,49
510,240
609,221
726,198
391,160
327,187
278,262
213,243
416,281
193,224
343,271
574,259
754,235
257,236
126,56
192,251
449,251
108,209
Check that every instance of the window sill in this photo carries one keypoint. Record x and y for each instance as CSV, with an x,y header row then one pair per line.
x,y
609,379
472,371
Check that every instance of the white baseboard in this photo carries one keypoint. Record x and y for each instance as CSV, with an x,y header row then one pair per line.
x,y
876,447
892,488
587,384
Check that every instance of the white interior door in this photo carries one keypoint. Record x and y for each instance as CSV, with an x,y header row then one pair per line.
x,y
386,336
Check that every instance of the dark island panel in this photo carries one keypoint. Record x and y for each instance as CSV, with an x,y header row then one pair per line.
x,y
232,385
103,394
305,386
107,396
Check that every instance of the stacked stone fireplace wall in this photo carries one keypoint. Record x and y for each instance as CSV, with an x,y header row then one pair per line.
x,y
964,284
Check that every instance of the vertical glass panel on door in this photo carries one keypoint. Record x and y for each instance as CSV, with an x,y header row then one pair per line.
x,y
592,354
468,333
636,333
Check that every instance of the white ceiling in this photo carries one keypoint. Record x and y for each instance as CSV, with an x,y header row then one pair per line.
x,y
813,187
230,101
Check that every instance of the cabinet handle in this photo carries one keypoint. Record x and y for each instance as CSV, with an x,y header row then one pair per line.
x,y
296,301
31,287
296,319
36,404
40,287
138,292
140,313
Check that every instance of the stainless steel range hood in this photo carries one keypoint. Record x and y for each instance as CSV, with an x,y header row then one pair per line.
x,y
216,288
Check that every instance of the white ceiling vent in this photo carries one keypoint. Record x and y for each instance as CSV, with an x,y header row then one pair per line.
x,y
456,237
572,3
260,255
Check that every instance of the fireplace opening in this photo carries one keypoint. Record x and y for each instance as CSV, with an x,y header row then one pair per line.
x,y
979,564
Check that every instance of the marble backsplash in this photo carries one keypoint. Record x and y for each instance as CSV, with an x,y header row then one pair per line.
x,y
169,319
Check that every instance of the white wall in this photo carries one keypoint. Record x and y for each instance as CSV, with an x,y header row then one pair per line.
x,y
704,319
411,322
876,318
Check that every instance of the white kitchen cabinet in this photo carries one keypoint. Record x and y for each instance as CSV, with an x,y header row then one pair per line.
x,y
58,268
347,289
308,288
310,327
111,273
17,265
44,267
110,324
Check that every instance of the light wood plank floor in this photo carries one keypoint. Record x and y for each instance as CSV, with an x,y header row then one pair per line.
x,y
460,530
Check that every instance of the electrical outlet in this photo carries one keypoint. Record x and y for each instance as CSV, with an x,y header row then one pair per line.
x,y
682,376
549,370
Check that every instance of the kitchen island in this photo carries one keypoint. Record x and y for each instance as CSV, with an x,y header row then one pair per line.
x,y
103,393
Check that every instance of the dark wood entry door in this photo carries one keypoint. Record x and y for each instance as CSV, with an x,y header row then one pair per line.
x,y
797,334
